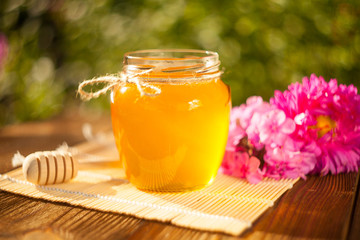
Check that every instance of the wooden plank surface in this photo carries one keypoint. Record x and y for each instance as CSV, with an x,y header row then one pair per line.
x,y
320,207
353,230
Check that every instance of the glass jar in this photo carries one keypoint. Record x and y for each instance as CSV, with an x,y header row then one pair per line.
x,y
170,119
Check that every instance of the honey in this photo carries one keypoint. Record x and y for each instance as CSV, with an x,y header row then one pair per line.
x,y
173,140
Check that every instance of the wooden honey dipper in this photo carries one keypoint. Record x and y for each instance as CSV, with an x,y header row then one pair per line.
x,y
62,165
50,167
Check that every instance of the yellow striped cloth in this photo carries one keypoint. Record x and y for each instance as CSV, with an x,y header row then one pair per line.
x,y
229,205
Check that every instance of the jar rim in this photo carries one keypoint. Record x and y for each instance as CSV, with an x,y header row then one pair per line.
x,y
171,64
160,54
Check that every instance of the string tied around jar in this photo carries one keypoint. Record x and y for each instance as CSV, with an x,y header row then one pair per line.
x,y
113,80
147,68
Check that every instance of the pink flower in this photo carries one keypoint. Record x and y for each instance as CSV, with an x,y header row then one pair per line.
x,y
287,161
239,164
313,127
274,127
236,132
245,112
235,135
252,113
326,114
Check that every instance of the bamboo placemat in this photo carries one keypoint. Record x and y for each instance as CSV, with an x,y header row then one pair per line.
x,y
229,205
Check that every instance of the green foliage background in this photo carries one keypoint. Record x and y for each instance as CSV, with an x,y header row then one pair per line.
x,y
263,45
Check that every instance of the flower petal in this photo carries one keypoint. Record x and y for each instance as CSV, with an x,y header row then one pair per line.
x,y
288,126
254,177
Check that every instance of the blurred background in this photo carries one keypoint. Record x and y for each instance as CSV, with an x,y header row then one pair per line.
x,y
48,46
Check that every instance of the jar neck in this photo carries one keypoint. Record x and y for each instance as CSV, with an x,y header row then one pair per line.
x,y
172,65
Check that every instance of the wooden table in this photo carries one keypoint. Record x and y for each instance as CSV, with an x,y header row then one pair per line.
x,y
320,207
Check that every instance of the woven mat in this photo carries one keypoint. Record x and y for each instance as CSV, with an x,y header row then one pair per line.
x,y
229,205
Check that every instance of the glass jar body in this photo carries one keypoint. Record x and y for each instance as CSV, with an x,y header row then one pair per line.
x,y
173,141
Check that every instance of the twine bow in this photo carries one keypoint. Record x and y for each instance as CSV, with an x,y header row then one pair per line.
x,y
114,80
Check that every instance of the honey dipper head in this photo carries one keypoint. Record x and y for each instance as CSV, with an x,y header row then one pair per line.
x,y
50,167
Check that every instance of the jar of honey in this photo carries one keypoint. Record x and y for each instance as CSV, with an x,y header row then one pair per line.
x,y
170,119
